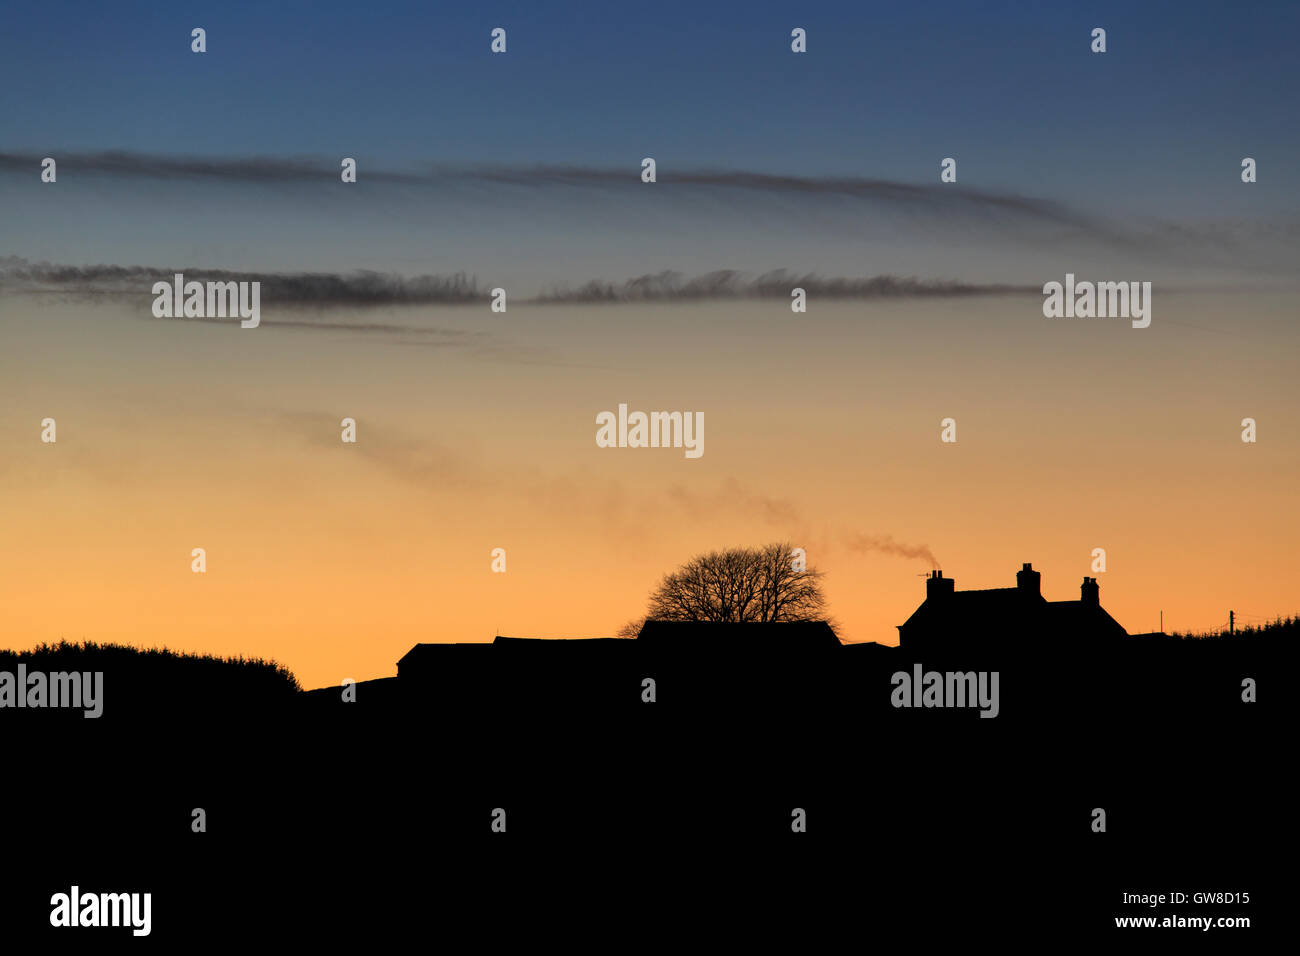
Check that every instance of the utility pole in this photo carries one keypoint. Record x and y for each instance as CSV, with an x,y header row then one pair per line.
x,y
1162,622
1231,622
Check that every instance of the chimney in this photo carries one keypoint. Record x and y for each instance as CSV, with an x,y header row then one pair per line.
x,y
1028,581
1089,592
936,585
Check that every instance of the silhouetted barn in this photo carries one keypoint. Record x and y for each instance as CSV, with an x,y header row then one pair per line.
x,y
698,639
697,663
730,666
949,619
515,671
560,645
703,637
424,661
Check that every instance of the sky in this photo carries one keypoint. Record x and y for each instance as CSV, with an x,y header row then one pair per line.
x,y
522,171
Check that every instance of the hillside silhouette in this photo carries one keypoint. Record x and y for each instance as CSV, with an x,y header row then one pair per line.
x,y
1281,628
148,682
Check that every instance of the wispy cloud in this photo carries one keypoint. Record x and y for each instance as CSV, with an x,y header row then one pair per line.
x,y
357,288
363,288
950,199
882,190
426,463
265,169
600,198
733,497
885,544
730,284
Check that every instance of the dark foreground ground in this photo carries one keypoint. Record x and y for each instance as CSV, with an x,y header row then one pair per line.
x,y
669,823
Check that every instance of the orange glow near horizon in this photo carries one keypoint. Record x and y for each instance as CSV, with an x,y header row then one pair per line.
x,y
334,559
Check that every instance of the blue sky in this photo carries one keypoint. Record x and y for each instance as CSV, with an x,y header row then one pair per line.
x,y
1009,88
1155,127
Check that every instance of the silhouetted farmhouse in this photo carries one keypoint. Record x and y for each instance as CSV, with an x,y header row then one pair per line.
x,y
951,619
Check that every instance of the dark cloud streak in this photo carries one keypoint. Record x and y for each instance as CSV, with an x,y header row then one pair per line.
x,y
778,284
949,198
368,289
358,288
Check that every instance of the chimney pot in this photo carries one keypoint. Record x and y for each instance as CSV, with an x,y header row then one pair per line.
x,y
1028,580
936,585
1089,593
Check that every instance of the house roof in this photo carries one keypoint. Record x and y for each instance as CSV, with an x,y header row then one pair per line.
x,y
1008,603
1018,610
1065,615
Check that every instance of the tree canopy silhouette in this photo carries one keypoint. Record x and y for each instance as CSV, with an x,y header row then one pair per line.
x,y
740,586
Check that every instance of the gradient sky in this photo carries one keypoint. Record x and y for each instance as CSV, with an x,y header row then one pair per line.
x,y
1010,88
476,430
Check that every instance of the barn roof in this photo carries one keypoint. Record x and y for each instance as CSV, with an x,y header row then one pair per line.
x,y
783,635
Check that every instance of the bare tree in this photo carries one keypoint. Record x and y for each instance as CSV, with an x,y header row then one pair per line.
x,y
742,585
631,629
